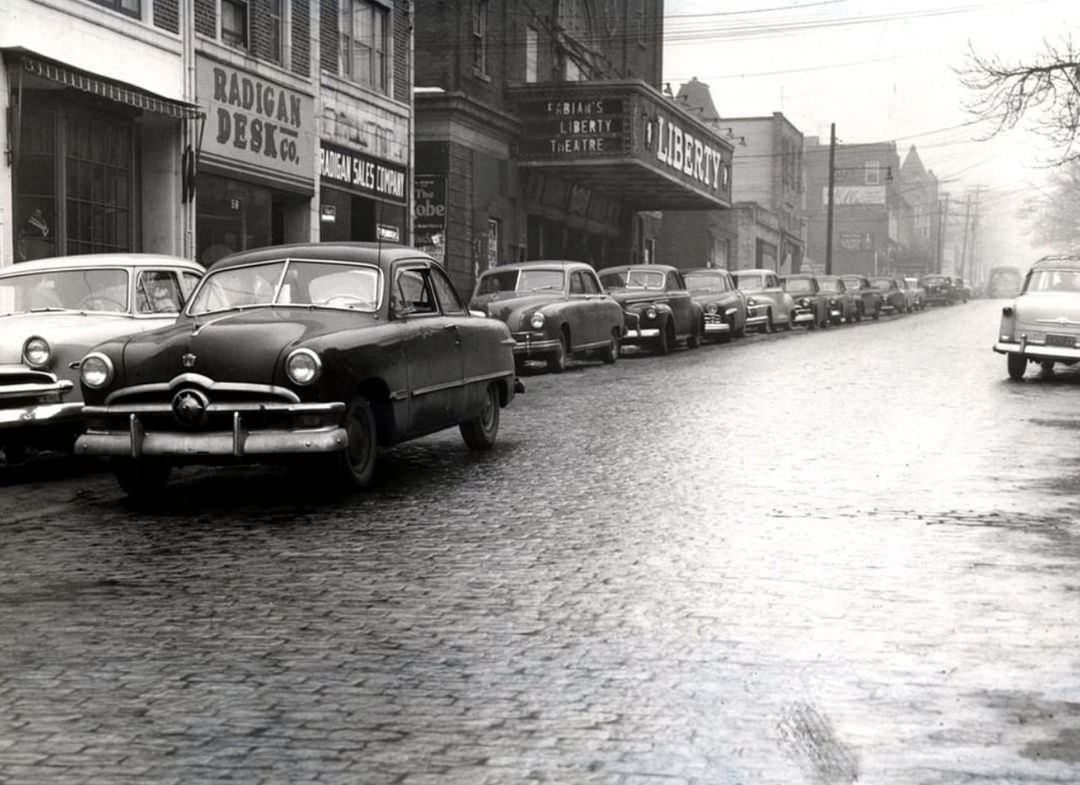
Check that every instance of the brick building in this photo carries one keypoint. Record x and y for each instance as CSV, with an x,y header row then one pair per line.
x,y
542,133
200,127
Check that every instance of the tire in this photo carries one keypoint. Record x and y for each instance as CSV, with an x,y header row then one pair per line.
x,y
663,341
480,432
789,325
858,314
611,353
1017,364
693,340
557,362
877,313
769,326
354,466
141,478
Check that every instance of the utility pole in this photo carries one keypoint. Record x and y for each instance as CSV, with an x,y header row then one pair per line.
x,y
832,185
942,231
964,247
975,259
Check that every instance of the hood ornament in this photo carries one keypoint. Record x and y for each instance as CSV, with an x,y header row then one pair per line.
x,y
188,360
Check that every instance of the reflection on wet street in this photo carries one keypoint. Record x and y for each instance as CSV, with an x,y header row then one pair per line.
x,y
811,557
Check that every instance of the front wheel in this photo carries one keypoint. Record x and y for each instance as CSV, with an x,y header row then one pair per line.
x,y
610,354
557,362
141,478
1017,365
693,340
789,325
877,313
663,341
479,433
355,465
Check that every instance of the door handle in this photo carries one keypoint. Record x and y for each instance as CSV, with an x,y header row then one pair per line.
x,y
457,334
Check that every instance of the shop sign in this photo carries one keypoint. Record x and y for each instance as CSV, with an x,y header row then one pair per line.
x,y
429,222
328,213
690,153
388,232
361,173
254,121
857,241
573,128
855,194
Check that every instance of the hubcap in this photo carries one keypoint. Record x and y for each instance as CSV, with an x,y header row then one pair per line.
x,y
487,416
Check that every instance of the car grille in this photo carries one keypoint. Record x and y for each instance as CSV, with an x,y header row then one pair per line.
x,y
22,386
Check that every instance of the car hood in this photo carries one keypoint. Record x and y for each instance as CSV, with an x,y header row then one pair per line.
x,y
509,306
1048,305
70,328
236,347
628,297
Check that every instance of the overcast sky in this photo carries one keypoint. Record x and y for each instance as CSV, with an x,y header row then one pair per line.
x,y
879,69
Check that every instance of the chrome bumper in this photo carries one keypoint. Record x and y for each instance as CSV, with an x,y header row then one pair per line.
x,y
717,327
799,318
836,313
1036,351
529,347
39,414
632,335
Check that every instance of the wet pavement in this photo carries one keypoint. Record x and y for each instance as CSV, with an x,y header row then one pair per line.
x,y
847,555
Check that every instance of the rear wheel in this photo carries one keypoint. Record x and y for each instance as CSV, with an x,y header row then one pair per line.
x,y
479,433
1017,365
693,340
141,478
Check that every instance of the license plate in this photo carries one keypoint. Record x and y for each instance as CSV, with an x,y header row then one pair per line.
x,y
1060,340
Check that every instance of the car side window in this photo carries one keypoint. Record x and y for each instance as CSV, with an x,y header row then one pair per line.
x,y
674,282
158,291
592,285
446,293
577,285
412,294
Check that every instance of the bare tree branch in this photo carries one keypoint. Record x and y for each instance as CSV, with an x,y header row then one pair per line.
x,y
1053,214
1044,92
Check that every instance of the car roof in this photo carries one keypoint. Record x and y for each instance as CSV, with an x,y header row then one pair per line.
x,y
717,270
756,270
542,264
100,260
370,252
665,268
798,275
1057,262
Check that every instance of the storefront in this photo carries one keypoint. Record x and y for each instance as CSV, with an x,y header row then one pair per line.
x,y
360,197
256,163
92,161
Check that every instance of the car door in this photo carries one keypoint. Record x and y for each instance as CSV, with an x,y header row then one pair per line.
x,y
582,330
680,301
160,295
432,348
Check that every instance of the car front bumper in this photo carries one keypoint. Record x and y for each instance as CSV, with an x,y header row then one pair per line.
x,y
526,345
801,317
716,326
37,415
1037,351
640,335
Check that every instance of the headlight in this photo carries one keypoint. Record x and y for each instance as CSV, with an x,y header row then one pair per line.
x,y
537,320
713,308
751,301
36,352
650,313
833,302
804,302
96,371
303,366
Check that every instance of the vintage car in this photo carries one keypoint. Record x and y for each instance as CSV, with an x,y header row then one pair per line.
x,y
938,288
762,288
811,304
893,298
1042,324
724,305
843,305
51,312
554,309
962,292
311,354
915,293
658,310
869,299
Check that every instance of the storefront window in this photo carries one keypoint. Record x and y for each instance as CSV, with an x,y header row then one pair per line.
x,y
36,188
98,185
232,216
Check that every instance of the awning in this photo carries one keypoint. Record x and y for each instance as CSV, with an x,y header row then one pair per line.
x,y
101,86
623,139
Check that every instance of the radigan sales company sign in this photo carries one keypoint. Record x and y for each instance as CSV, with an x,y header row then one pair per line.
x,y
355,171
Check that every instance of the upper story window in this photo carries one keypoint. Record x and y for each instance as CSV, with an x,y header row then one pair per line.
x,y
873,172
480,36
363,43
234,23
532,54
275,19
129,7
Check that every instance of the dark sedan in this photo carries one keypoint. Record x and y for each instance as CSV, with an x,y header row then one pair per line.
x,y
554,309
938,288
811,304
313,353
724,305
893,298
869,299
657,307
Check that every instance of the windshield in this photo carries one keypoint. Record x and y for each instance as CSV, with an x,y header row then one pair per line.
x,y
1053,281
92,289
798,285
750,281
705,283
520,281
295,283
881,283
633,279
832,286
853,284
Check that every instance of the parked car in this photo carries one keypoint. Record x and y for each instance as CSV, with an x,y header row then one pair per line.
x,y
893,298
555,310
870,299
762,287
811,304
1004,281
843,304
51,312
724,305
1043,323
962,292
915,293
311,353
938,289
658,310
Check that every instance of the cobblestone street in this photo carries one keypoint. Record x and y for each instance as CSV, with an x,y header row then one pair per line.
x,y
850,554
